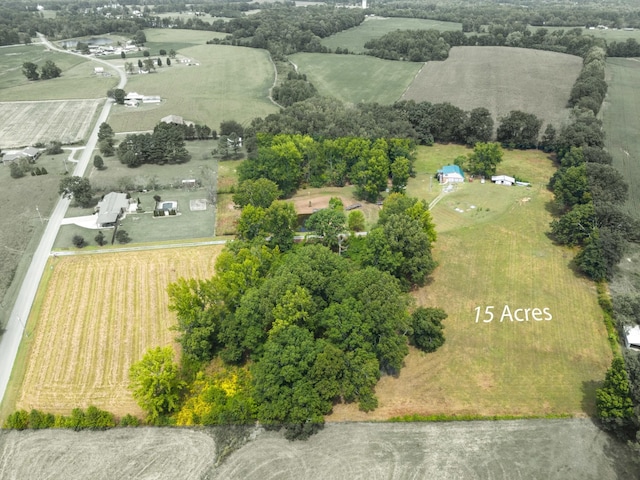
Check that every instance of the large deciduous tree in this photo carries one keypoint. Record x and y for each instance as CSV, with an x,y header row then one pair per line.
x,y
328,223
155,383
79,187
427,327
259,193
485,159
519,130
49,70
30,70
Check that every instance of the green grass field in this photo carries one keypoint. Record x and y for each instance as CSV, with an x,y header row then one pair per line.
x,y
620,115
486,77
493,251
357,78
229,83
375,27
77,79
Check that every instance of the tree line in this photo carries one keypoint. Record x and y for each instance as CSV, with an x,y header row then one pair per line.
x,y
291,160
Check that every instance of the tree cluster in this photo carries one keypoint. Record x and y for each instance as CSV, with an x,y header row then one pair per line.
x,y
79,188
47,71
294,89
166,145
293,160
314,328
286,29
412,45
519,130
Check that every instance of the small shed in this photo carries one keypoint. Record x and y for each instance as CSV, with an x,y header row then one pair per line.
x,y
112,206
450,174
632,337
151,99
98,70
503,180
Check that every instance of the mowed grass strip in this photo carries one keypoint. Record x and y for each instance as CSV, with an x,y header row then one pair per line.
x,y
375,27
621,120
229,83
26,123
357,78
99,315
494,251
500,79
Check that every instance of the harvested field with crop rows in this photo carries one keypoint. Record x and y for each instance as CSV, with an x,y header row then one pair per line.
x,y
100,314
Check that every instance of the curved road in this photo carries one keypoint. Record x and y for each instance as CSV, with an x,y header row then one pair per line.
x,y
12,336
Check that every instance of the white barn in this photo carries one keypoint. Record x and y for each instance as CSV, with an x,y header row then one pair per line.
x,y
632,337
503,180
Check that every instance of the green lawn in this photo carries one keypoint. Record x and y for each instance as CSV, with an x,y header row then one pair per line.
x,y
375,27
77,79
357,78
493,251
229,83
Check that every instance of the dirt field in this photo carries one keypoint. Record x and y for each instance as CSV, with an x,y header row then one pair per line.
x,y
500,79
100,314
144,453
26,123
528,449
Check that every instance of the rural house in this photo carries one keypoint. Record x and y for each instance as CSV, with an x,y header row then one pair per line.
x,y
11,157
111,208
32,152
632,337
450,174
503,180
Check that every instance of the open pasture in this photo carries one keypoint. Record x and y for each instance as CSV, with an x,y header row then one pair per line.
x,y
177,39
500,79
26,123
375,27
76,81
495,259
229,83
101,313
357,78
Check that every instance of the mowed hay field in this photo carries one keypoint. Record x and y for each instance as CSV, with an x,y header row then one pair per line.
x,y
500,79
493,251
100,314
229,83
357,78
375,27
26,123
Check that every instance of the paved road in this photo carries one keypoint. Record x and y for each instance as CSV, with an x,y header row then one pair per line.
x,y
12,336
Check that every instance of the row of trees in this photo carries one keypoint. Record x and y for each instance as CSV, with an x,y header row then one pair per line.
x,y
590,88
291,160
165,145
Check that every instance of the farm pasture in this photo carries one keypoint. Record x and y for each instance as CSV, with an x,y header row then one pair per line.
x,y
357,78
375,27
493,251
229,83
77,79
99,314
500,79
26,123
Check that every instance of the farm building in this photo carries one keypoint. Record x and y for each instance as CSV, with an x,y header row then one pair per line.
x,y
450,174
98,70
133,96
503,180
151,99
11,157
32,152
112,206
175,119
632,337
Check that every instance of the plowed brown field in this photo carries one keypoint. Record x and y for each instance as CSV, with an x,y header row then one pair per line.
x,y
100,314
